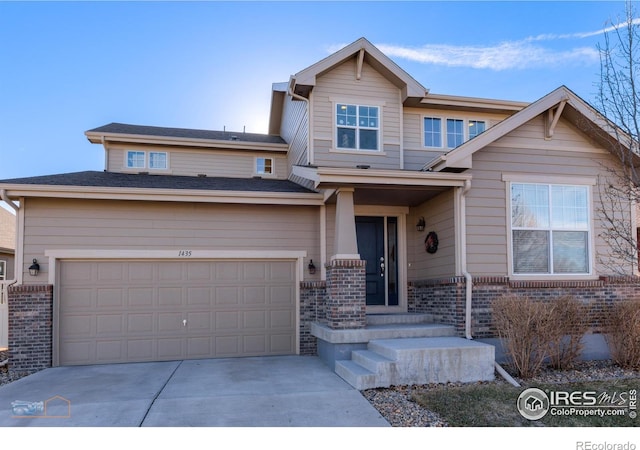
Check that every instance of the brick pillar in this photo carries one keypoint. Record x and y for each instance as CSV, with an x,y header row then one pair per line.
x,y
346,294
30,327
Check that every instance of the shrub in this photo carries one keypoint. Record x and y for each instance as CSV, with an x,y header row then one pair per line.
x,y
569,327
623,334
525,326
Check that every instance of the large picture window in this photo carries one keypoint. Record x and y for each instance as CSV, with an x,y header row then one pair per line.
x,y
357,127
550,229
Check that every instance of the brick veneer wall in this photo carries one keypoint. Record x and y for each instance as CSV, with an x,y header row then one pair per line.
x,y
346,294
445,299
312,309
30,328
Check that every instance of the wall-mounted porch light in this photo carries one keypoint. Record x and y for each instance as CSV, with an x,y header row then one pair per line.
x,y
420,225
311,267
34,268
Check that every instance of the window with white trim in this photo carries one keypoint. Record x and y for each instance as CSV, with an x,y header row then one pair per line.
x,y
264,166
158,160
450,133
476,127
357,127
137,159
550,231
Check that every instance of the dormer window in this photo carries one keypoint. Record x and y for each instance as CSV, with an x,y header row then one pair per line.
x,y
138,160
357,127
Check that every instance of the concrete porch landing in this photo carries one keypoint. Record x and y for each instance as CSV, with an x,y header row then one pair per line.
x,y
403,349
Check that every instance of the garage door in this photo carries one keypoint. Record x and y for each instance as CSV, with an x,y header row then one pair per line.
x,y
130,311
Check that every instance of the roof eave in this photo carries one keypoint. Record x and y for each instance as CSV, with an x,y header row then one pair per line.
x,y
163,194
102,138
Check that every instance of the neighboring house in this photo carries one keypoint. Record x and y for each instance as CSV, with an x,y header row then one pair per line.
x,y
198,244
7,252
7,244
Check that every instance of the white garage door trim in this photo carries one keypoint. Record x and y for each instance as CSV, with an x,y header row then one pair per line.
x,y
55,256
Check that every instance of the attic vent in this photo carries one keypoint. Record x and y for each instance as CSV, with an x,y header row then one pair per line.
x,y
202,175
362,166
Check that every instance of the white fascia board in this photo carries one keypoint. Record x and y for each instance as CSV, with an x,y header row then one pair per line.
x,y
103,138
166,195
389,177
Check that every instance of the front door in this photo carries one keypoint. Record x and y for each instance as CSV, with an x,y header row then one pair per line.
x,y
377,245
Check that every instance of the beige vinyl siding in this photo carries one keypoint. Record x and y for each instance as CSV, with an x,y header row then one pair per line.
x,y
416,155
295,130
438,214
131,225
213,163
526,152
340,85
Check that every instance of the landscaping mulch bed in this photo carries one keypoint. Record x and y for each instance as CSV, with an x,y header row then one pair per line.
x,y
396,403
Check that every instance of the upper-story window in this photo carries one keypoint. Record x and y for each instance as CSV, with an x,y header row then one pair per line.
x,y
264,166
475,128
450,133
138,160
157,160
550,229
357,127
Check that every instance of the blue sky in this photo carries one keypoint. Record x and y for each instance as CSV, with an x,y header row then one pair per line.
x,y
67,67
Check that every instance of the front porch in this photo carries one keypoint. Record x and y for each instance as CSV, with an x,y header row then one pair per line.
x,y
400,349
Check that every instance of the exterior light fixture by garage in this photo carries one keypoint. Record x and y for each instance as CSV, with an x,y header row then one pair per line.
x,y
311,267
34,268
420,225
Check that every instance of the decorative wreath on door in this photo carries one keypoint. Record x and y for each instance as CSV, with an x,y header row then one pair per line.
x,y
431,242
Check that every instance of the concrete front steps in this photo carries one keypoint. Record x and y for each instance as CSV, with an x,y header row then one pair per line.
x,y
403,349
407,361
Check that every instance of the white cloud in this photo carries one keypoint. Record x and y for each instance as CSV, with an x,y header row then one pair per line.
x,y
506,55
527,53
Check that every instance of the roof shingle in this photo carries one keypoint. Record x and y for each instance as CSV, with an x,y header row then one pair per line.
x,y
187,133
144,181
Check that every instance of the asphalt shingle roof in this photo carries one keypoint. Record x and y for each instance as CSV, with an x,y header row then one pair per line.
x,y
143,181
187,133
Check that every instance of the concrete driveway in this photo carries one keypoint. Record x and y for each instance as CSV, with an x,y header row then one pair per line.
x,y
281,391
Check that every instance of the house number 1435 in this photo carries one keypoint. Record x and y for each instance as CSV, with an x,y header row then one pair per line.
x,y
184,253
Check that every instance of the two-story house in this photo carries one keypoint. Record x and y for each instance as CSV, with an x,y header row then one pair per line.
x,y
370,199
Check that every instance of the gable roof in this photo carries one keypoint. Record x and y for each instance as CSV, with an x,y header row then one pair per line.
x,y
565,102
306,79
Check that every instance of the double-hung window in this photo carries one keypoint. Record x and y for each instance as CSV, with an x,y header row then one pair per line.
x,y
550,229
357,127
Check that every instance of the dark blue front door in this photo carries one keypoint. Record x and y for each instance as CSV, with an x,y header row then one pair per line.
x,y
370,233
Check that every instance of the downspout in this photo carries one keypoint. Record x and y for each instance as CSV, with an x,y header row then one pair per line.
x,y
469,279
306,100
463,259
